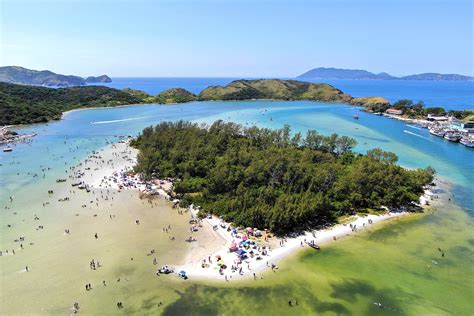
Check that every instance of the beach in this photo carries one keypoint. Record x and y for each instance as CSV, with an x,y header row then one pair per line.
x,y
69,228
209,238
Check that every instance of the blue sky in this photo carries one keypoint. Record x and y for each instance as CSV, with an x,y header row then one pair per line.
x,y
248,38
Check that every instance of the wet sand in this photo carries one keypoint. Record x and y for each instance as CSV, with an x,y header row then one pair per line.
x,y
59,263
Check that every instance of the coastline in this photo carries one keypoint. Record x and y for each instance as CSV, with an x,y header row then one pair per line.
x,y
211,237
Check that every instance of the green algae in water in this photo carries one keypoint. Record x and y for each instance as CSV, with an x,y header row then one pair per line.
x,y
392,265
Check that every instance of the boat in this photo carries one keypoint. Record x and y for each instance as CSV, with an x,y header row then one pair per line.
x,y
7,150
453,136
313,245
437,132
60,180
468,141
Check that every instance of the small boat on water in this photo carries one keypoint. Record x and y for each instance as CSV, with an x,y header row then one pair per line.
x,y
7,150
468,141
453,136
60,180
437,132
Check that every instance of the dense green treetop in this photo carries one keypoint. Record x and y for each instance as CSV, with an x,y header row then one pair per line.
x,y
272,178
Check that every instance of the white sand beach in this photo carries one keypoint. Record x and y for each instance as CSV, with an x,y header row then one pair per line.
x,y
214,244
211,237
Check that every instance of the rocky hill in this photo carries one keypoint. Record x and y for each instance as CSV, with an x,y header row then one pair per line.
x,y
99,79
20,75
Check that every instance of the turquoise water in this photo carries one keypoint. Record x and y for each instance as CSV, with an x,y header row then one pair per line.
x,y
452,95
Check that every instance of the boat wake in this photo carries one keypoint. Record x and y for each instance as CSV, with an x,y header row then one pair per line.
x,y
122,120
415,127
417,135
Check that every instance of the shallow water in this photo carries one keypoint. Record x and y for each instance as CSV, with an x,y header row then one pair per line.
x,y
388,265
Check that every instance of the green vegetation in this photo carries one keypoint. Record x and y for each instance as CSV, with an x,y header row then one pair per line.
x,y
274,89
20,75
270,179
371,102
409,108
21,104
175,95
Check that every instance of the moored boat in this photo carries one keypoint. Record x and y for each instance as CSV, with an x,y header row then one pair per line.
x,y
453,136
7,150
468,141
437,132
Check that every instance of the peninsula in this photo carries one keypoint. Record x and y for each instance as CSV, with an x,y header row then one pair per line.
x,y
29,104
22,104
20,75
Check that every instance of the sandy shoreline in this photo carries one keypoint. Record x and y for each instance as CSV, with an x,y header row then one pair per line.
x,y
212,236
280,248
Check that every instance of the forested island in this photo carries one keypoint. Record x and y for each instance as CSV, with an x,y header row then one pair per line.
x,y
274,179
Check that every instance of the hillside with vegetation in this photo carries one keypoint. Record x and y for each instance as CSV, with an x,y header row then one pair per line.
x,y
274,89
21,104
175,95
20,75
272,178
370,101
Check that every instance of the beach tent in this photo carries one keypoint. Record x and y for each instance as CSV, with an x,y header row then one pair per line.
x,y
241,252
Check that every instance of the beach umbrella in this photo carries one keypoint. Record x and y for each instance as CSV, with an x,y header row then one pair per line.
x,y
244,237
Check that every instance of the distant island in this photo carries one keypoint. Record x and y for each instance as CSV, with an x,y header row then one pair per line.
x,y
23,104
356,74
20,75
99,79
